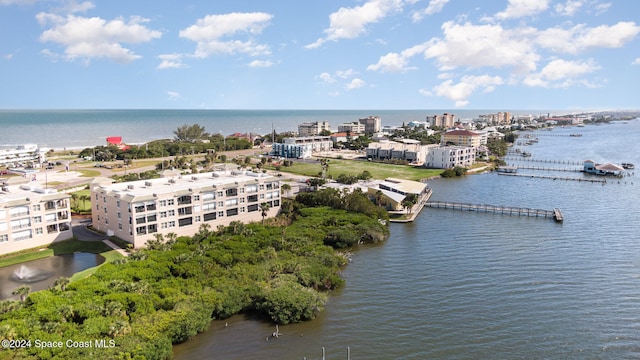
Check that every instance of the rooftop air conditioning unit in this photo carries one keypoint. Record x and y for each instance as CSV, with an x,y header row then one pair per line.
x,y
130,187
172,181
148,183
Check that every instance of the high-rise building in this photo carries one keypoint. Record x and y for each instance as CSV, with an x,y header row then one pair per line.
x,y
313,128
372,124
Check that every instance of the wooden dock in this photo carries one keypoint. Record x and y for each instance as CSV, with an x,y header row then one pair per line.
x,y
555,214
603,181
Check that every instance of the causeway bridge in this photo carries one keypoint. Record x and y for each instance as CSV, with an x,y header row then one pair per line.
x,y
555,214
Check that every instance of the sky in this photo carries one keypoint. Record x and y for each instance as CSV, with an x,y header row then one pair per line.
x,y
329,54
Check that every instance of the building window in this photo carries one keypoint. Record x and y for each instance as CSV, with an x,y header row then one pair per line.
x,y
210,216
141,230
138,207
153,228
141,220
185,199
36,207
187,210
196,197
220,213
171,212
151,218
119,226
151,206
196,218
252,208
39,231
163,214
252,198
232,212
170,202
232,192
37,219
185,222
220,193
4,238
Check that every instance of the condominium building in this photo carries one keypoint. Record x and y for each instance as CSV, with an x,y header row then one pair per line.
x,y
352,127
23,155
447,157
301,147
500,119
137,211
372,124
445,120
462,138
411,151
313,128
31,216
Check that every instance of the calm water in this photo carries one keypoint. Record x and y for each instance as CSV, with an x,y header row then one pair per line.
x,y
467,285
42,273
81,128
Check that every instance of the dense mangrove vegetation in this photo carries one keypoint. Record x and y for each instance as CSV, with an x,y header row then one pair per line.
x,y
136,308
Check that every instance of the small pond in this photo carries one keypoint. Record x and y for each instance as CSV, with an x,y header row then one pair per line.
x,y
42,273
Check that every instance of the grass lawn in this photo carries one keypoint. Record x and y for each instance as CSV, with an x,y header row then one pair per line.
x,y
356,167
64,247
89,173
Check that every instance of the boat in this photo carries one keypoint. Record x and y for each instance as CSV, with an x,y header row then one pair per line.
x,y
575,135
526,154
628,166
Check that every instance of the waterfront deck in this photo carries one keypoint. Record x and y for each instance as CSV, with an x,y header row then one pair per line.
x,y
555,214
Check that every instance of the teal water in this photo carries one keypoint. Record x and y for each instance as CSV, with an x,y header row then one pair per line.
x,y
82,128
469,285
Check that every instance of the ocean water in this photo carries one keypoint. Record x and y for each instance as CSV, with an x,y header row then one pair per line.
x,y
74,129
471,285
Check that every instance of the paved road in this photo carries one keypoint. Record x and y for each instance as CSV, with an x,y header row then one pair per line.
x,y
80,231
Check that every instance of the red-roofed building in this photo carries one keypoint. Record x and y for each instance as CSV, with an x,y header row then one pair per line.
x,y
117,141
462,138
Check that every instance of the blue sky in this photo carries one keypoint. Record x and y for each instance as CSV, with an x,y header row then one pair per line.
x,y
333,54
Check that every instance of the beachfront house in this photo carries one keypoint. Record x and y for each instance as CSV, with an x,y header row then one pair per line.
x,y
590,167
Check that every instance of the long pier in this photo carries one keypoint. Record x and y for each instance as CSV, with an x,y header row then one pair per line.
x,y
530,159
542,168
603,181
555,214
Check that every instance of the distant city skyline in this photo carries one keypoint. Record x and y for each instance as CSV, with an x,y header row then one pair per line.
x,y
367,54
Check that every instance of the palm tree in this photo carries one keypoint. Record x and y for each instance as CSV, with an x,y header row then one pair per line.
x,y
84,198
62,282
409,201
379,196
264,209
22,291
67,313
74,201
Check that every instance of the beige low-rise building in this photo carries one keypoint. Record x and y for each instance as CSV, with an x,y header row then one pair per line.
x,y
32,216
462,138
137,211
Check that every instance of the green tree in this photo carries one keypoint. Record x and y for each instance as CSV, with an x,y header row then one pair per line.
x,y
409,201
190,133
264,210
22,292
62,282
285,188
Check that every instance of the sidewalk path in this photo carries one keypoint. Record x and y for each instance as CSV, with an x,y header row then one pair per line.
x,y
116,247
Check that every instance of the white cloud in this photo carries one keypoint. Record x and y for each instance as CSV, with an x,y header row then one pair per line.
x,y
636,61
171,61
8,56
461,91
602,8
476,46
561,73
394,62
87,38
350,23
345,74
569,8
523,8
209,31
355,84
261,64
173,96
326,77
435,6
580,38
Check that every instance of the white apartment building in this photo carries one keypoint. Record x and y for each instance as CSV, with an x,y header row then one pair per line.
x,y
31,217
447,157
136,211
408,150
352,127
301,147
23,155
313,128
